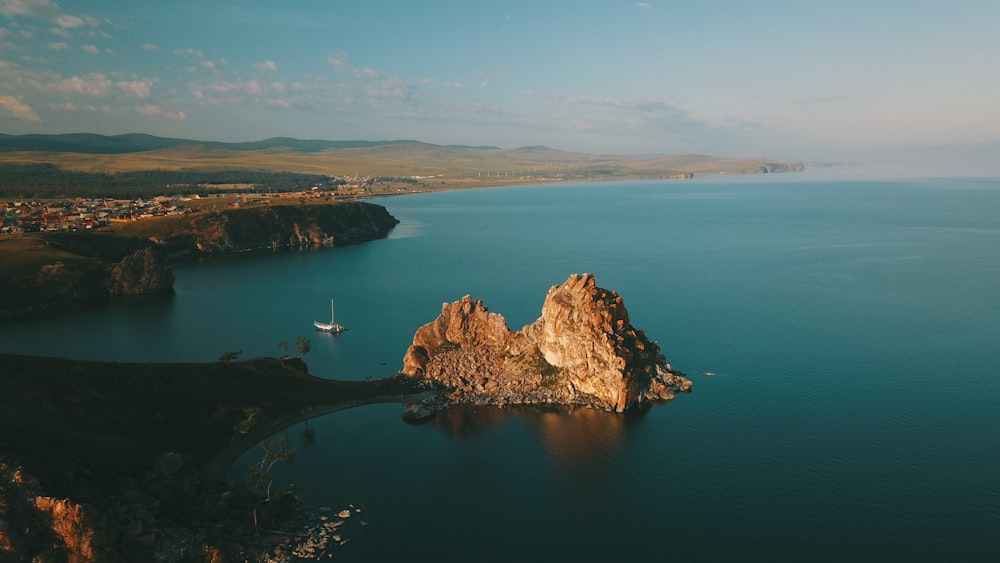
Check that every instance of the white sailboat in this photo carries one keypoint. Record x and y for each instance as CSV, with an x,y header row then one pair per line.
x,y
331,326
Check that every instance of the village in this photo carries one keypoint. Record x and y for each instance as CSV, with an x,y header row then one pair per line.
x,y
88,214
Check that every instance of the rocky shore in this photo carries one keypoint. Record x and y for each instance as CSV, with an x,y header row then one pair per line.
x,y
581,351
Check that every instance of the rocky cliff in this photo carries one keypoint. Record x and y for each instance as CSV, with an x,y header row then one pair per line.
x,y
71,268
278,227
582,351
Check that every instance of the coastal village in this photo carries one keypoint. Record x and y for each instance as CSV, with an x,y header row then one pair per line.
x,y
87,214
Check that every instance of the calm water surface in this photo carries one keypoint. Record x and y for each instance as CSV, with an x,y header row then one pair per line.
x,y
853,327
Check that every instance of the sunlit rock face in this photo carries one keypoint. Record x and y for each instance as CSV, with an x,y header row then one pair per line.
x,y
581,351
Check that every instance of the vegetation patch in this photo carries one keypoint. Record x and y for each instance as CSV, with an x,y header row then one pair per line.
x,y
538,364
446,347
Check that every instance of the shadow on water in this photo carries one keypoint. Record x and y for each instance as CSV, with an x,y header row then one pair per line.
x,y
124,307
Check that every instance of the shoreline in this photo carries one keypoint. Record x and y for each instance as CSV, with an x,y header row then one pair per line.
x,y
218,466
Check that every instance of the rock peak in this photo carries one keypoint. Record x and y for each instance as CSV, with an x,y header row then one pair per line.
x,y
581,351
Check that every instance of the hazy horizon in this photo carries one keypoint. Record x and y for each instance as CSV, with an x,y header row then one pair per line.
x,y
784,80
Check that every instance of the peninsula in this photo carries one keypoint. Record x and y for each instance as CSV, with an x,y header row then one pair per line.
x,y
112,461
50,270
581,351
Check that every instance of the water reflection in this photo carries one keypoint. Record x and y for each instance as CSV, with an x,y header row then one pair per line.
x,y
572,436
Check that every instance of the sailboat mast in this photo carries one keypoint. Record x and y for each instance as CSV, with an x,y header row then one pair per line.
x,y
331,312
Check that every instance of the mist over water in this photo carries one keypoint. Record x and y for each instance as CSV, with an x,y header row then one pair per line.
x,y
851,324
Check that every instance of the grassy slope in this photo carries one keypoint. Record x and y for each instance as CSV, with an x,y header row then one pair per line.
x,y
20,255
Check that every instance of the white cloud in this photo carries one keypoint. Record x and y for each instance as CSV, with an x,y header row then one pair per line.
x,y
67,106
91,49
149,109
270,94
67,21
341,63
57,46
189,52
94,84
105,109
136,88
49,11
150,47
266,65
208,65
18,109
643,4
30,8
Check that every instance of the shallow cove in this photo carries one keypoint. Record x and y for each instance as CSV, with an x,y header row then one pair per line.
x,y
852,325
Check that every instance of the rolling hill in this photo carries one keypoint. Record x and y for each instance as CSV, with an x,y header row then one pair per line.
x,y
448,165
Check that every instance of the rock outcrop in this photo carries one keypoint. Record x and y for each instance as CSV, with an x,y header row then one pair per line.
x,y
278,227
582,351
56,529
146,271
76,268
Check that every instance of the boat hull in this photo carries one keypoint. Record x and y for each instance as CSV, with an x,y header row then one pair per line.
x,y
327,327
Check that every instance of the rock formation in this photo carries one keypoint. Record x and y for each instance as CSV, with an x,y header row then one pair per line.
x,y
279,227
144,272
581,351
85,267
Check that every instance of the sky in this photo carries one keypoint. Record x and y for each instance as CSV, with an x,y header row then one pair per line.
x,y
802,79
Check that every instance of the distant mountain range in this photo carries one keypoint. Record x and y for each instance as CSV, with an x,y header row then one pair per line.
x,y
449,165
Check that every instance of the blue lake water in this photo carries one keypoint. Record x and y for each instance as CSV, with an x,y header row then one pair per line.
x,y
853,326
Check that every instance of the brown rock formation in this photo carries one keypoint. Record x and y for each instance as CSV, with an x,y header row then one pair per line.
x,y
581,351
56,529
145,271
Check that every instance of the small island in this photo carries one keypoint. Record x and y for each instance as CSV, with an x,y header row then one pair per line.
x,y
582,351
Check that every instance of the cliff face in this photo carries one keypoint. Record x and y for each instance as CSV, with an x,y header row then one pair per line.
x,y
581,351
145,271
85,267
280,227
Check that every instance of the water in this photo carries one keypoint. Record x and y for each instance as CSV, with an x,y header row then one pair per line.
x,y
853,326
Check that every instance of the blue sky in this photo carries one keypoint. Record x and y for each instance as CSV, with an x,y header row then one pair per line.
x,y
793,80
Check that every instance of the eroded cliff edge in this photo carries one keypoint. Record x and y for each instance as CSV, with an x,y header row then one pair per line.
x,y
581,351
273,228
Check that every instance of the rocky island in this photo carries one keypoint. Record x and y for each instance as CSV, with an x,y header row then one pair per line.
x,y
581,351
